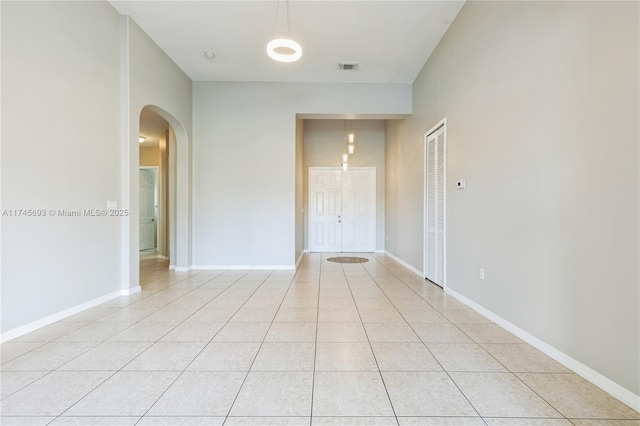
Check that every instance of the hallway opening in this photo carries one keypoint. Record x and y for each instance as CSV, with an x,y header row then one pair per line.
x,y
153,182
163,146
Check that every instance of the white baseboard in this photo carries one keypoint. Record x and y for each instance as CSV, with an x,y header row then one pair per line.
x,y
300,258
181,268
172,267
33,326
243,267
405,264
380,251
130,291
162,257
607,385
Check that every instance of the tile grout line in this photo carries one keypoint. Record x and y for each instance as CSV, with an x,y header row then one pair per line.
x,y
395,415
121,368
480,345
508,371
187,366
134,323
89,348
226,417
315,345
414,287
423,343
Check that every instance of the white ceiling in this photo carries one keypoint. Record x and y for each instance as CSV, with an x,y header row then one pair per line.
x,y
391,40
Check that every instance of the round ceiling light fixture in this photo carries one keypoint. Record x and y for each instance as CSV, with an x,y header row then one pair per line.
x,y
284,50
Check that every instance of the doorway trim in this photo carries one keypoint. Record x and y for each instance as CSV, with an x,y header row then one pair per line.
x,y
441,124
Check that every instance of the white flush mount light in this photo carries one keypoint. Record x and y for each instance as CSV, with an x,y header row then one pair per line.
x,y
209,55
141,139
284,50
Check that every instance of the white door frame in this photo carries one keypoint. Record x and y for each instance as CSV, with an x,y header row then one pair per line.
x,y
375,206
441,123
156,190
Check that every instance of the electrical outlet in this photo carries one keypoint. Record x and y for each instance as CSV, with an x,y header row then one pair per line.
x,y
482,274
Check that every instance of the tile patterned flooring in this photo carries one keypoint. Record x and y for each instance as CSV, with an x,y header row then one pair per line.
x,y
330,344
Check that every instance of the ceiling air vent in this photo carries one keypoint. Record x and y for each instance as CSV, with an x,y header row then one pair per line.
x,y
348,66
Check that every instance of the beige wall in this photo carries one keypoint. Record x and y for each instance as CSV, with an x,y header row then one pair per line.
x,y
150,156
324,144
53,157
541,100
111,86
244,162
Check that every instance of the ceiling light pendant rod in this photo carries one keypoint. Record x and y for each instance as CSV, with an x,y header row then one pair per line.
x,y
275,20
288,19
283,49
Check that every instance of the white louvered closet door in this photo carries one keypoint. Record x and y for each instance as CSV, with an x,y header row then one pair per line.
x,y
435,206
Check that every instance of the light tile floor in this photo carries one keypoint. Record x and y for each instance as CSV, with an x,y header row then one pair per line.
x,y
330,344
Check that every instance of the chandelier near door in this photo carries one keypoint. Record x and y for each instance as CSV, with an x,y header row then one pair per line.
x,y
283,49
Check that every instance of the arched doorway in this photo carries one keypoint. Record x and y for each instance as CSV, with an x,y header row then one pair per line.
x,y
178,202
156,134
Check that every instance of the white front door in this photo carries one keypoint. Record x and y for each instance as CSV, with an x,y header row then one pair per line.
x,y
342,209
325,206
358,210
147,210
